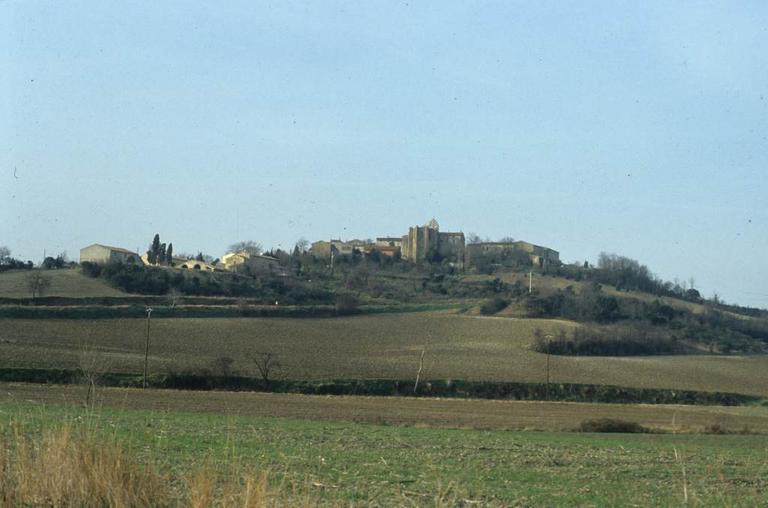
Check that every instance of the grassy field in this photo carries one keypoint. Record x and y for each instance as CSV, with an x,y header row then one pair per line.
x,y
426,412
339,463
376,346
64,282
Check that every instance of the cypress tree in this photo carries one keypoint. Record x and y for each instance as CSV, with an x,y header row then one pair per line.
x,y
169,255
154,250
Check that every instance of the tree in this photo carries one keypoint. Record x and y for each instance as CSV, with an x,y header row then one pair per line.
x,y
266,363
92,367
38,283
249,246
169,255
199,257
301,245
154,250
5,254
473,238
49,263
506,239
161,258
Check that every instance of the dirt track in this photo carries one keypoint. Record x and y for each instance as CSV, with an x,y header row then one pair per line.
x,y
449,413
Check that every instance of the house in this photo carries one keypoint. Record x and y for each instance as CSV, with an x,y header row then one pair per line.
x,y
255,263
103,254
177,261
340,248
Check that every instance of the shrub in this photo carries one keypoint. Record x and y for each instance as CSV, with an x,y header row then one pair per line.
x,y
346,303
612,425
613,341
493,306
91,269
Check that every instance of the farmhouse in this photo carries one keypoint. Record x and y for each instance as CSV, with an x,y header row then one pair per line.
x,y
103,254
255,263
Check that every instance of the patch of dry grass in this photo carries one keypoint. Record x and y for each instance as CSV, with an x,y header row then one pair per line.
x,y
67,466
64,282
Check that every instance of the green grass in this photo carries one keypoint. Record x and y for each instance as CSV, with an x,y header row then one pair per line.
x,y
385,346
365,464
64,282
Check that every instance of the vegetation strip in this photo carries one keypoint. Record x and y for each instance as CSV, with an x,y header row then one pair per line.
x,y
570,392
137,309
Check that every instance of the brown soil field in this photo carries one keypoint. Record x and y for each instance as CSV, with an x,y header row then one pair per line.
x,y
363,347
445,413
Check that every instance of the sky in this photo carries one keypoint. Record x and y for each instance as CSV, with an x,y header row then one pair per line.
x,y
637,128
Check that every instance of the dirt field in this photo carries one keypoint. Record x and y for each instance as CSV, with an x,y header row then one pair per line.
x,y
380,346
444,413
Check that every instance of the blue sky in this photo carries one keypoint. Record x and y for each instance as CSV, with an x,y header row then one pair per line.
x,y
631,127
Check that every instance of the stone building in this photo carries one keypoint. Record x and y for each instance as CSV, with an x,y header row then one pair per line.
x,y
194,264
103,254
499,252
324,248
255,263
426,243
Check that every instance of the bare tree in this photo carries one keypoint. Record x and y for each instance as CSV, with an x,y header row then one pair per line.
x,y
5,254
37,283
92,367
421,365
266,363
251,247
174,295
222,366
473,238
302,245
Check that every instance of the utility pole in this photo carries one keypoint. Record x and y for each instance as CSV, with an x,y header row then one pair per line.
x,y
530,282
146,351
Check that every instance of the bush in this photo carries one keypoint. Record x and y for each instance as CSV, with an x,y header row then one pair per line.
x,y
91,269
612,425
493,306
613,341
346,303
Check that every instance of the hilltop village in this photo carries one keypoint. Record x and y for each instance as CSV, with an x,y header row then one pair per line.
x,y
428,244
422,244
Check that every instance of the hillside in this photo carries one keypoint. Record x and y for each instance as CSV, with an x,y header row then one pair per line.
x,y
64,282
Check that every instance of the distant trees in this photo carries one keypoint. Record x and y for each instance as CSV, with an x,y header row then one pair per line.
x,y
9,263
626,340
50,263
251,247
158,253
154,250
302,245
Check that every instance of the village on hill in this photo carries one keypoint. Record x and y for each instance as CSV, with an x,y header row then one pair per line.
x,y
421,244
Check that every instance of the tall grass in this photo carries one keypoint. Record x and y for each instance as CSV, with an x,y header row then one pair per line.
x,y
65,466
